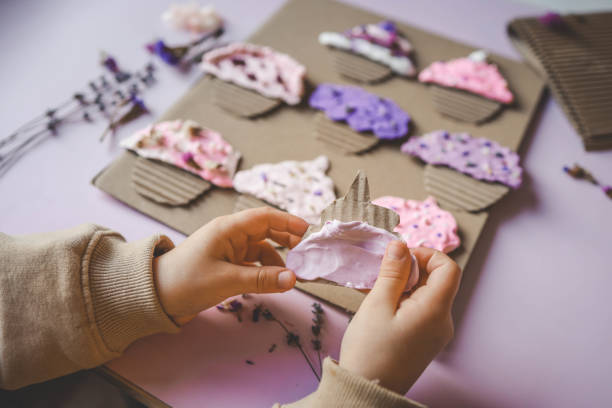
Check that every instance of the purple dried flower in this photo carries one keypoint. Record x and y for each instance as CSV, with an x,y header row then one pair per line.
x,y
235,305
552,19
293,339
170,55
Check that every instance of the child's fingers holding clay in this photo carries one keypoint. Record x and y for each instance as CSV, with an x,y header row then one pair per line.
x,y
443,276
260,223
392,278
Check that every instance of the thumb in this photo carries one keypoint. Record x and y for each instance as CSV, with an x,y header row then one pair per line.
x,y
262,279
393,275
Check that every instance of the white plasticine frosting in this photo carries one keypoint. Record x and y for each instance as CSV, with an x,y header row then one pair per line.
x,y
188,145
193,17
399,64
347,253
259,68
300,188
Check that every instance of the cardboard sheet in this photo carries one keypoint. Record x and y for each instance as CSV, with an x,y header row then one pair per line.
x,y
288,133
576,58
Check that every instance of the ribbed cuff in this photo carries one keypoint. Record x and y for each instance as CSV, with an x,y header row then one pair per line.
x,y
341,388
124,298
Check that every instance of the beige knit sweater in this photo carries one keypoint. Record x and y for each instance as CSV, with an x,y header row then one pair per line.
x,y
74,299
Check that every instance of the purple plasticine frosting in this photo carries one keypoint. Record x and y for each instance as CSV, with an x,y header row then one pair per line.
x,y
480,158
347,253
361,110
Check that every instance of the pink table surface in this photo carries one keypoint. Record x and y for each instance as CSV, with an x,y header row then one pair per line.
x,y
533,325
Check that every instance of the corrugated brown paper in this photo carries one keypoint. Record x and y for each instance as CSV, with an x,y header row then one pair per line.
x,y
463,106
339,136
359,68
577,60
287,133
459,191
241,101
166,184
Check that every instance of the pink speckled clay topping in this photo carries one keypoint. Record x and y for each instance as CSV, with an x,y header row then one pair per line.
x,y
423,223
262,69
480,158
347,253
301,188
470,75
187,145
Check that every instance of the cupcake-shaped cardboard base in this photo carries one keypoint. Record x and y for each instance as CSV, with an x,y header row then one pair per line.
x,y
455,190
240,101
166,184
340,137
463,106
359,68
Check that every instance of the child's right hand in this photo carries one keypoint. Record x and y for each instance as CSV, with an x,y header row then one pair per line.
x,y
394,337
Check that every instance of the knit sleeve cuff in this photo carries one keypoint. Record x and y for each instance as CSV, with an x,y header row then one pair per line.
x,y
341,388
124,301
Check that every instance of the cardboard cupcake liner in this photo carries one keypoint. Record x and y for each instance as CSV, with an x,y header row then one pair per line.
x,y
359,68
455,190
463,106
340,137
166,184
576,57
240,101
356,206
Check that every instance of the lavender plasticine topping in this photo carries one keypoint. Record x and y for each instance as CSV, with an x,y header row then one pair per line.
x,y
361,110
480,158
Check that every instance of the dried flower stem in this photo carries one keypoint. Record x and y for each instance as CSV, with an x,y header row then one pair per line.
x,y
290,336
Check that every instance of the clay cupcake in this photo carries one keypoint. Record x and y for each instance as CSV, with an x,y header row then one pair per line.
x,y
368,117
467,89
347,247
370,52
463,171
169,150
252,79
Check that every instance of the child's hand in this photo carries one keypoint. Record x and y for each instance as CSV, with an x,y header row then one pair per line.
x,y
217,261
392,337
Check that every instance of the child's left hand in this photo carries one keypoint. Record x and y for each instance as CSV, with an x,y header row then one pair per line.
x,y
217,261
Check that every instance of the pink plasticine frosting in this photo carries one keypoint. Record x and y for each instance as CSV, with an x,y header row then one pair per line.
x,y
478,77
423,223
187,145
347,253
262,69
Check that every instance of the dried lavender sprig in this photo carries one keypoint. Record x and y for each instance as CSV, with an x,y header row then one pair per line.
x,y
317,311
99,94
580,173
292,339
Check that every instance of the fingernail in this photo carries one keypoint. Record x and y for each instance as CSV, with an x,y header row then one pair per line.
x,y
397,250
285,280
